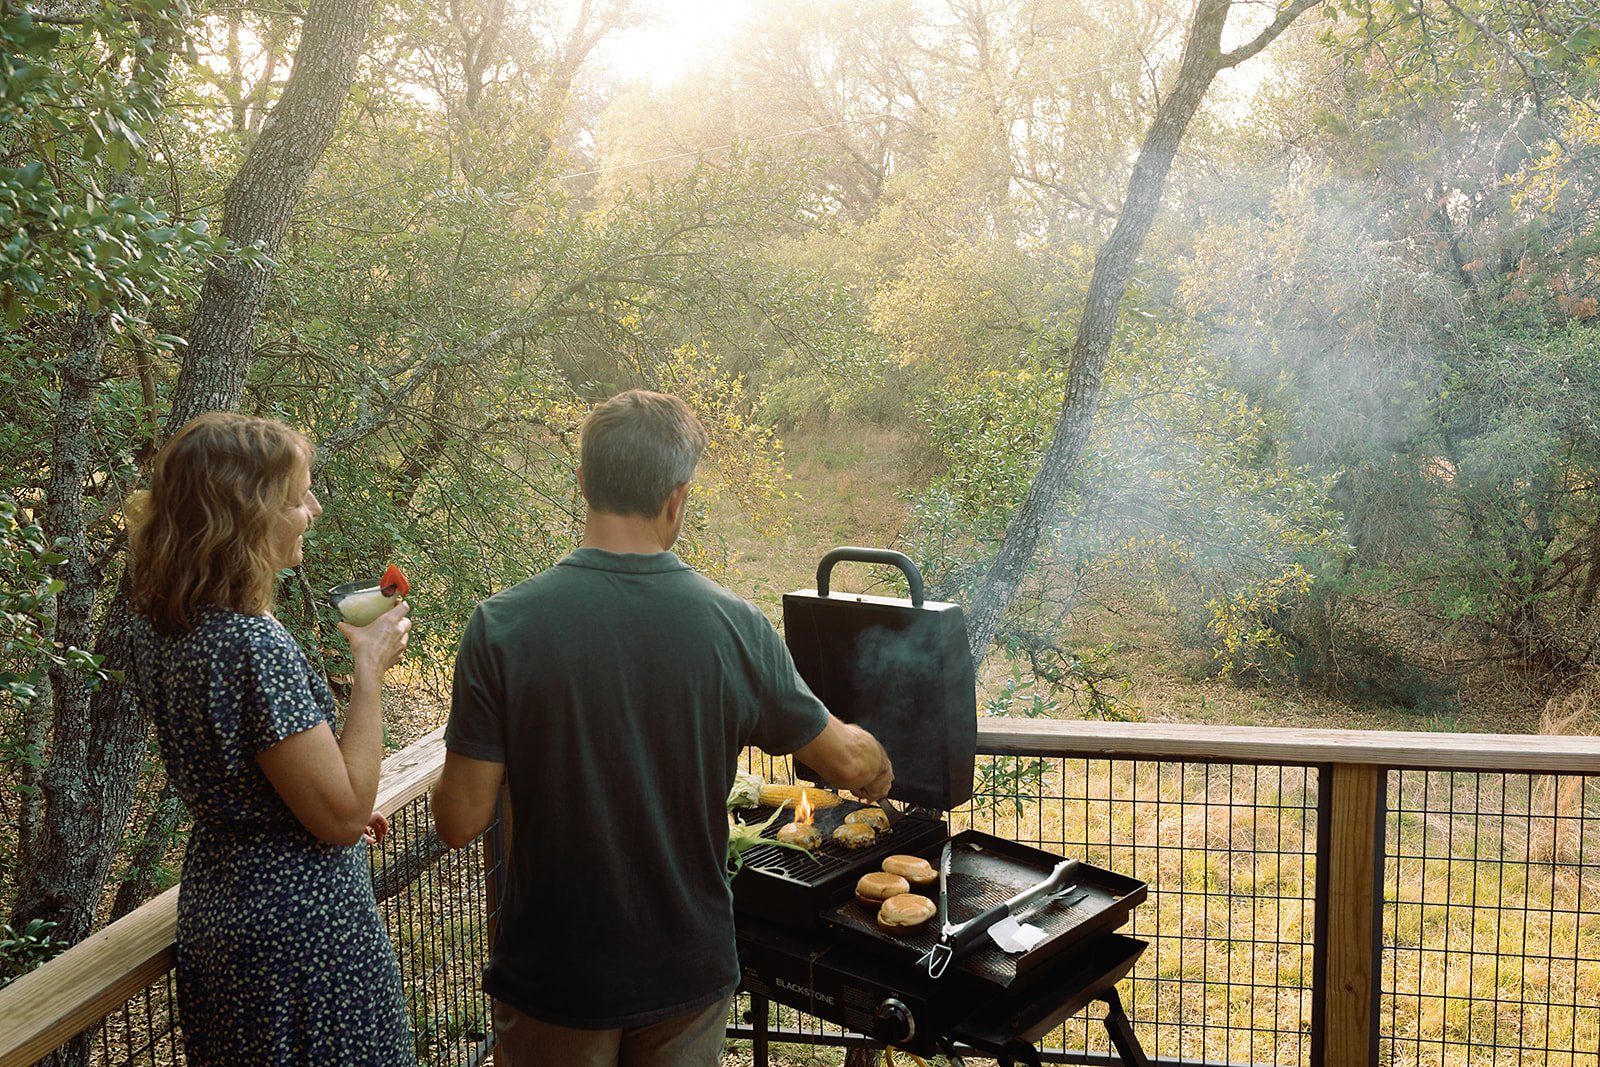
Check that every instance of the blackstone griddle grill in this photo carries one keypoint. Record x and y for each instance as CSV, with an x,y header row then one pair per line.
x,y
901,669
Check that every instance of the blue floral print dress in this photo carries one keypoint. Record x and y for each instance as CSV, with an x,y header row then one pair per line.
x,y
282,956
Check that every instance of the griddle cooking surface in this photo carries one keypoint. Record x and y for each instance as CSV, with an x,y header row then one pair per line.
x,y
985,871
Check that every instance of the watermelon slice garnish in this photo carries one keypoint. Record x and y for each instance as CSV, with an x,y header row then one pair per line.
x,y
394,582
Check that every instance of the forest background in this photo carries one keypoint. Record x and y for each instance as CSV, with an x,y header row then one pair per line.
x,y
1342,460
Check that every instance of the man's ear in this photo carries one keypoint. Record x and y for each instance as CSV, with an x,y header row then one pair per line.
x,y
675,500
581,489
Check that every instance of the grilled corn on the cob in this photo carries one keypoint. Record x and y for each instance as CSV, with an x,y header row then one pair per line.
x,y
788,796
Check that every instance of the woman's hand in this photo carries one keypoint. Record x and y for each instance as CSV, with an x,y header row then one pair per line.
x,y
379,645
377,829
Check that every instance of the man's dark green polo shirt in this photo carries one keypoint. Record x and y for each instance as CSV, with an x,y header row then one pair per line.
x,y
619,691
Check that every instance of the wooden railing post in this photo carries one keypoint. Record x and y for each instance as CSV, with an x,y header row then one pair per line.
x,y
1344,1030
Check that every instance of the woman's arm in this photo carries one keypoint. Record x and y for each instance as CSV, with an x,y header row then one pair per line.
x,y
329,784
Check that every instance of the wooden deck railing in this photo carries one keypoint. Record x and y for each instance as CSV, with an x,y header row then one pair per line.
x,y
1402,850
43,1010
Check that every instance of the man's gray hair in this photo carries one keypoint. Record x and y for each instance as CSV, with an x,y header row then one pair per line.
x,y
635,449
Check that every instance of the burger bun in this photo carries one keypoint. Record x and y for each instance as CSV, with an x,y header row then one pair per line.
x,y
907,911
878,886
914,869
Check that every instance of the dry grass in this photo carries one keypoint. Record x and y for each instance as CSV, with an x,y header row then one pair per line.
x,y
842,489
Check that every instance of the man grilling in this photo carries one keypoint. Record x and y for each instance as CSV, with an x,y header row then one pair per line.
x,y
613,694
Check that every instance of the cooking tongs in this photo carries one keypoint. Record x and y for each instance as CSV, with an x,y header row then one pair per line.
x,y
958,939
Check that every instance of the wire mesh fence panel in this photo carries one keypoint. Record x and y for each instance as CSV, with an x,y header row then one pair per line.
x,y
1491,920
145,1030
1228,852
142,1032
436,904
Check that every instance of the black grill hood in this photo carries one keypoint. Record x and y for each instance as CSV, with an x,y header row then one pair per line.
x,y
898,668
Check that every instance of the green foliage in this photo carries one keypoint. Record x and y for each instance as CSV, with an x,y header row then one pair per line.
x,y
22,951
1517,416
1014,780
80,101
1417,296
442,340
1185,499
27,646
26,592
1335,645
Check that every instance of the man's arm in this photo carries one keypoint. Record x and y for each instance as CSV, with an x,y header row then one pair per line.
x,y
850,758
464,797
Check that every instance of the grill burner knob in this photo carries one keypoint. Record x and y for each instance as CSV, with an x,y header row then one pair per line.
x,y
893,1022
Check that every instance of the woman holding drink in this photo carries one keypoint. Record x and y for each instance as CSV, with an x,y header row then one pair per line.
x,y
281,953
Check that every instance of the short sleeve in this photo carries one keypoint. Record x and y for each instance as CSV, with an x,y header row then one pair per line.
x,y
791,716
274,693
477,700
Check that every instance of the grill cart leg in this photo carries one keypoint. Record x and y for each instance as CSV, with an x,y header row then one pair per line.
x,y
757,1018
1121,1031
1017,1052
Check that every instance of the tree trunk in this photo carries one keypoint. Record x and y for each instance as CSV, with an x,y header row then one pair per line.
x,y
260,204
88,788
35,738
60,873
1202,59
99,737
145,865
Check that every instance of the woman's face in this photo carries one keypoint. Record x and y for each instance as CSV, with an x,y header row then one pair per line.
x,y
299,511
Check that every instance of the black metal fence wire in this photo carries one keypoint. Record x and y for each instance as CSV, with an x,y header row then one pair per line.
x,y
1490,915
1491,920
1229,854
436,905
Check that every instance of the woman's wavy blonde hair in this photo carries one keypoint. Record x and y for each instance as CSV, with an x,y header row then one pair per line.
x,y
200,536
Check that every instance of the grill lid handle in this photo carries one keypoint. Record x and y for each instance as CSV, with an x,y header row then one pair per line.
x,y
888,556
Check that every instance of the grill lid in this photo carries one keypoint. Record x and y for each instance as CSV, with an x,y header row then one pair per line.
x,y
898,668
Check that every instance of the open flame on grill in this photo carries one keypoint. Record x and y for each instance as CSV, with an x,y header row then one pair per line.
x,y
801,833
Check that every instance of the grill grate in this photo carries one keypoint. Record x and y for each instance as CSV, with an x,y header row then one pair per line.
x,y
789,887
830,859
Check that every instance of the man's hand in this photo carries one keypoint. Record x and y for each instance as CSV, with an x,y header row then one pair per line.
x,y
849,758
878,788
